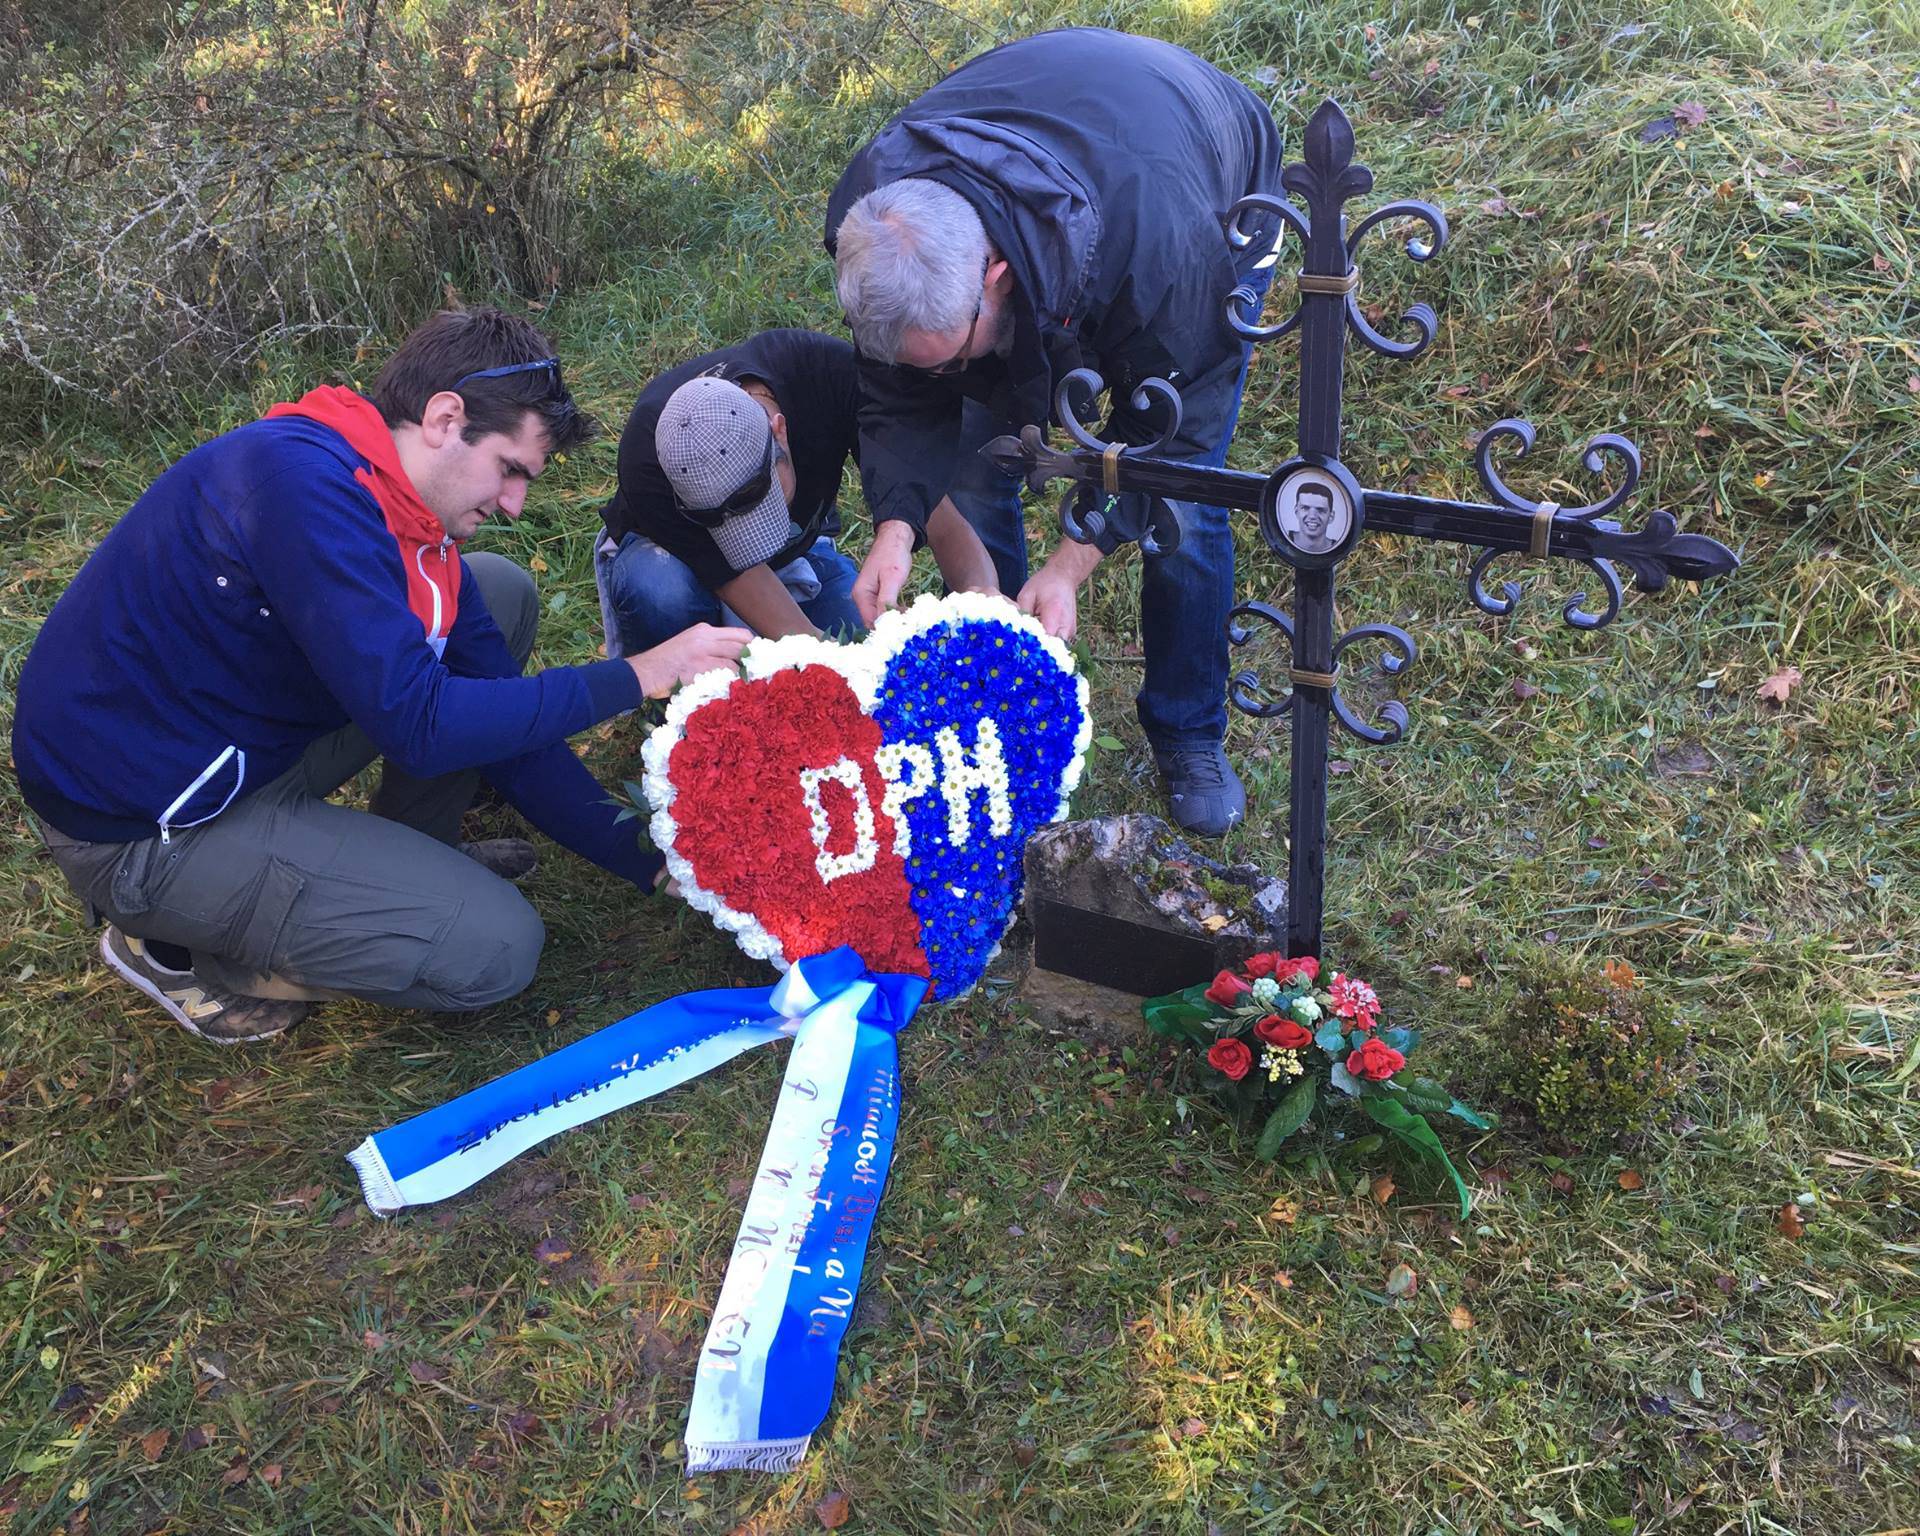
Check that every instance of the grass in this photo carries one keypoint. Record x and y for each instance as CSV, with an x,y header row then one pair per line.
x,y
1088,1309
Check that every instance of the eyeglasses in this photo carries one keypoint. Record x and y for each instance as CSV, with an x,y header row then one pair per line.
x,y
508,369
745,499
958,362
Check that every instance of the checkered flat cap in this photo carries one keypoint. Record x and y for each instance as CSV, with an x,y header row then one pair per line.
x,y
711,440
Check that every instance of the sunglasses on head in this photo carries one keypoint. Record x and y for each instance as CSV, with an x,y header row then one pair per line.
x,y
745,499
506,370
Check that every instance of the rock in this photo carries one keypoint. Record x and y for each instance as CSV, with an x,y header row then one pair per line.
x,y
1122,908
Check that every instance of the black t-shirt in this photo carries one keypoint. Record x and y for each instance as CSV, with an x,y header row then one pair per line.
x,y
818,386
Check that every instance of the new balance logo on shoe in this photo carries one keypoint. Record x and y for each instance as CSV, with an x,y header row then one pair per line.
x,y
225,1018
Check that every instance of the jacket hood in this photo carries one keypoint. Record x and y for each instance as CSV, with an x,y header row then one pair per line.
x,y
358,420
1037,212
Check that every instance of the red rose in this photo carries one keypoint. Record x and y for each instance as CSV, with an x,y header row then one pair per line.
x,y
1231,1057
1308,967
1227,989
1266,963
1376,1061
1276,1029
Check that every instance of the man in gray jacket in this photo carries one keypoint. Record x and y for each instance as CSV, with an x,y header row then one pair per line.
x,y
1057,203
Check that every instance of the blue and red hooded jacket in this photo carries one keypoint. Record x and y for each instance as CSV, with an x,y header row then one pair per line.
x,y
274,585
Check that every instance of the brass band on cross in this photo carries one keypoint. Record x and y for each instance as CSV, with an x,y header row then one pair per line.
x,y
1312,512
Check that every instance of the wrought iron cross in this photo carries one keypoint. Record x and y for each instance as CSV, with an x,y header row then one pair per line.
x,y
1312,511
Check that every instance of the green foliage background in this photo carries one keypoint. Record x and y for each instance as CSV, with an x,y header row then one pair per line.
x,y
1090,1310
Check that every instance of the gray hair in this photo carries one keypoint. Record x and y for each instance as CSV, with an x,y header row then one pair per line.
x,y
910,257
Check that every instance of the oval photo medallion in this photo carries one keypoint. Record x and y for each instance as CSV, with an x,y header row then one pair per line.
x,y
1312,512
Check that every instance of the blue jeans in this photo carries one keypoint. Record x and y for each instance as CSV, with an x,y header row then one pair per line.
x,y
1184,597
654,595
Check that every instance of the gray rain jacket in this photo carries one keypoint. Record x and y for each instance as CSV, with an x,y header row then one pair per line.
x,y
1103,166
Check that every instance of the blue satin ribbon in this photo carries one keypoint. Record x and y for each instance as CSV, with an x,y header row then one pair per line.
x,y
765,1374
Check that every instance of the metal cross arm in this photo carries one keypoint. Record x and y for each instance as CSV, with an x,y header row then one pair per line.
x,y
1656,553
1311,509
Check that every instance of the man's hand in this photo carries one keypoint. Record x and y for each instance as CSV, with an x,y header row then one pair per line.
x,y
1050,593
1052,601
686,656
885,571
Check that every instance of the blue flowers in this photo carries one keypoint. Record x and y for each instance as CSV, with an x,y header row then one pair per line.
x,y
1015,723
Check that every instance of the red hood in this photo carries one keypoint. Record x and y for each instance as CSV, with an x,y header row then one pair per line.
x,y
359,421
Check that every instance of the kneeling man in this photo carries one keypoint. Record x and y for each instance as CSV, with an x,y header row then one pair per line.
x,y
284,604
730,470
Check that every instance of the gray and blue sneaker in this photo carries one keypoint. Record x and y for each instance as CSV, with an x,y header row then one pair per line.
x,y
1203,791
223,1017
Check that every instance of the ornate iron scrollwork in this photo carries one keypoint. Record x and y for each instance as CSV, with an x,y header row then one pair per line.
x,y
1421,316
1158,531
1400,653
1252,697
1243,298
1249,695
1593,458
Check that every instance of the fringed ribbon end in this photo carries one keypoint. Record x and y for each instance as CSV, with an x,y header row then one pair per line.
x,y
376,1183
748,1455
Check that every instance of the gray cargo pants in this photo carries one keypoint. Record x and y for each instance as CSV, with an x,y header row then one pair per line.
x,y
284,895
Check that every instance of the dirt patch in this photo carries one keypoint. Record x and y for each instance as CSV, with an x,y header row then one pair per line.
x,y
522,1199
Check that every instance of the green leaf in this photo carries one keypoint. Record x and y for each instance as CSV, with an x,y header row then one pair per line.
x,y
634,791
1342,1079
1109,743
1287,1118
1426,1096
1472,1116
1397,1120
1331,1040
1184,1016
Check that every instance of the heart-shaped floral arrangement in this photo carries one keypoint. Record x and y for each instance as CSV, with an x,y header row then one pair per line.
x,y
878,794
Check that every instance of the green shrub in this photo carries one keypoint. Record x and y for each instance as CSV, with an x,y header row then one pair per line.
x,y
1591,1052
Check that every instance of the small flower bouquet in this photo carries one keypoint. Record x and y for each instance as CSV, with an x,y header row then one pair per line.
x,y
1270,1032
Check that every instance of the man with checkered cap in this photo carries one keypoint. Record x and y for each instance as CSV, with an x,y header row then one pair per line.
x,y
729,480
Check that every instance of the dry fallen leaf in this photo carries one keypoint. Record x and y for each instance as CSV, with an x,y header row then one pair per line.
x,y
1402,1280
1192,1429
1781,683
421,1370
1690,114
1284,1211
153,1443
197,1437
1630,1179
1464,983
1561,1181
1789,1222
236,1472
553,1250
1460,1319
1283,1278
271,1474
1620,974
1524,690
1383,1189
833,1510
